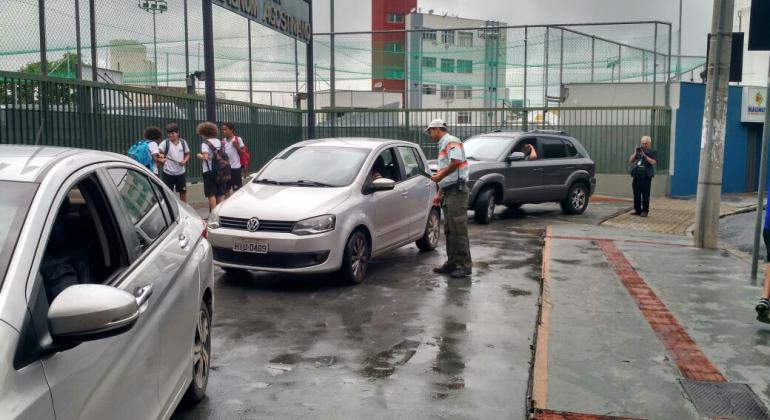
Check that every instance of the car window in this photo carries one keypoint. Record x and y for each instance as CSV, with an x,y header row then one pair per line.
x,y
315,166
412,164
553,148
571,150
387,166
486,148
14,205
84,245
141,203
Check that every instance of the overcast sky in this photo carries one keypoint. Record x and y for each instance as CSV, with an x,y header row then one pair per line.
x,y
354,15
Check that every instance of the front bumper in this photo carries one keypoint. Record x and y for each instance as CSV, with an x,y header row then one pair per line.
x,y
287,253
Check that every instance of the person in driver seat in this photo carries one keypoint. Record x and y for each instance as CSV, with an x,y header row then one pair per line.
x,y
378,169
529,151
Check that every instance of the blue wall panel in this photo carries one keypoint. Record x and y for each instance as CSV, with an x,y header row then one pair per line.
x,y
689,124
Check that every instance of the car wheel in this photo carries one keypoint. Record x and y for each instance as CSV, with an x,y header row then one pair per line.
x,y
429,239
201,357
576,201
484,207
355,259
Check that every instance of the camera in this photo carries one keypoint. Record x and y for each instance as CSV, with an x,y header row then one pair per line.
x,y
639,149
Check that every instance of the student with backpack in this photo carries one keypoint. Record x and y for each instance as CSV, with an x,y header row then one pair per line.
x,y
146,152
176,153
216,165
237,153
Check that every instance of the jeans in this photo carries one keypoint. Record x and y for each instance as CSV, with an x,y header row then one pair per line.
x,y
642,188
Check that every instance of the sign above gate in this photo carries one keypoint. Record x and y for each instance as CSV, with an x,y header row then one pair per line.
x,y
289,17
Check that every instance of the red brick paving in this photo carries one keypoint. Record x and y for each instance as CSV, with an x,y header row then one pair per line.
x,y
691,361
561,415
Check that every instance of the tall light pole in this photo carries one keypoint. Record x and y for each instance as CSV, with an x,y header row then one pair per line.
x,y
154,7
679,46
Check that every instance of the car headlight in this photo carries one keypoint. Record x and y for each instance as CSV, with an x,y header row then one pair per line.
x,y
315,225
214,218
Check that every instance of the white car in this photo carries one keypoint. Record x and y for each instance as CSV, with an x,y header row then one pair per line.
x,y
328,205
105,289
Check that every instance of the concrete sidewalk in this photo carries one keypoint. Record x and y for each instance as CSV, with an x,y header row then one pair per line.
x,y
631,320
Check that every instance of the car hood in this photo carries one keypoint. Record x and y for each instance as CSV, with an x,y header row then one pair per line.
x,y
283,203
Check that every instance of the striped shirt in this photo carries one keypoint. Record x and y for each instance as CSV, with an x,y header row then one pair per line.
x,y
451,148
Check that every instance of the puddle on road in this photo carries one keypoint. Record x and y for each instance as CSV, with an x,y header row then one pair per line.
x,y
384,363
515,292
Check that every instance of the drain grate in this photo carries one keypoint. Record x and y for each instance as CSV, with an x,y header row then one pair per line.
x,y
725,400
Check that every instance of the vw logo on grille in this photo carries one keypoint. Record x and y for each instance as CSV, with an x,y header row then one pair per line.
x,y
252,225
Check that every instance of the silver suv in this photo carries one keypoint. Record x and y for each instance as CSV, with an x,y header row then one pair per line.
x,y
500,173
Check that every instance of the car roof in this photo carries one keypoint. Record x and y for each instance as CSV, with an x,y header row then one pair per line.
x,y
359,142
30,163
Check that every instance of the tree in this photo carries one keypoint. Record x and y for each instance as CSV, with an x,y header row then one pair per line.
x,y
28,91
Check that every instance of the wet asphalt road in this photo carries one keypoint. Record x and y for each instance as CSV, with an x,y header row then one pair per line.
x,y
738,231
406,343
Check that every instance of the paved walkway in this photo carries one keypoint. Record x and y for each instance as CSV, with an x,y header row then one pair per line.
x,y
632,320
675,216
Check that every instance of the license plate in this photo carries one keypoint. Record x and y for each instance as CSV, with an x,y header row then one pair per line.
x,y
251,246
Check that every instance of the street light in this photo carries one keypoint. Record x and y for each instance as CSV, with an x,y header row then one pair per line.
x,y
154,7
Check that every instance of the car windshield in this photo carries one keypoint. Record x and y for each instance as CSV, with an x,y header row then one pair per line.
x,y
486,148
14,205
314,166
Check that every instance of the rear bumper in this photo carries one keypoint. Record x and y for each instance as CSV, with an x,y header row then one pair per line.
x,y
593,185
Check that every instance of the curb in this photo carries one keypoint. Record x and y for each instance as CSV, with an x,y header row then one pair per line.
x,y
538,386
691,230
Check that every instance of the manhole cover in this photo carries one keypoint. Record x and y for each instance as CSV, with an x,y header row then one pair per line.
x,y
725,400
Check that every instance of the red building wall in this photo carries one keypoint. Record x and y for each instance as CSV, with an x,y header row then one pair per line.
x,y
387,64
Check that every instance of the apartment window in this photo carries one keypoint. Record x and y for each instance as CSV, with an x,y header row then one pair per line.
x,y
395,18
428,89
429,62
429,35
464,66
394,47
394,73
447,65
465,92
448,37
465,39
447,92
463,117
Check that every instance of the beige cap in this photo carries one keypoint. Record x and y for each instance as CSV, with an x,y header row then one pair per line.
x,y
437,123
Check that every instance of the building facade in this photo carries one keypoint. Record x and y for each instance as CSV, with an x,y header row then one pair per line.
x,y
453,63
388,48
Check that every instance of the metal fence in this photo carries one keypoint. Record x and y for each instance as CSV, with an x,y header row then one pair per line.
x,y
60,112
609,134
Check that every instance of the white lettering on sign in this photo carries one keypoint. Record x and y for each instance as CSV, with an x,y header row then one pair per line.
x,y
288,17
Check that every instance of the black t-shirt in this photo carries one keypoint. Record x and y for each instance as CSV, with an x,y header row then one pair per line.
x,y
649,169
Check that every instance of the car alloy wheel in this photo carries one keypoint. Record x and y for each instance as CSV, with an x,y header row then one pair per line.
x,y
359,257
434,228
202,350
491,206
578,198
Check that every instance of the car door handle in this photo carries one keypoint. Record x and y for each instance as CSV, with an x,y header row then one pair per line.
x,y
569,168
537,169
405,193
184,241
143,295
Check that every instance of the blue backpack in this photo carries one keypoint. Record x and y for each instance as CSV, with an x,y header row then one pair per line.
x,y
140,152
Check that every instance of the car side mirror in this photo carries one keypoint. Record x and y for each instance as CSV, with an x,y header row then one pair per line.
x,y
87,312
382,184
516,156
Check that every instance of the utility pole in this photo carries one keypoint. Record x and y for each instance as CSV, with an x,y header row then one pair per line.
x,y
333,99
761,189
714,119
679,46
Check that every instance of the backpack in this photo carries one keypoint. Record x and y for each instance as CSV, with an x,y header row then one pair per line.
x,y
140,152
244,157
221,163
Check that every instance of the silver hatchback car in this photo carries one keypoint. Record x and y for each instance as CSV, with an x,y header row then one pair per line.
x,y
328,205
105,289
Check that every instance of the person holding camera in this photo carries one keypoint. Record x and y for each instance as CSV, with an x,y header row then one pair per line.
x,y
642,161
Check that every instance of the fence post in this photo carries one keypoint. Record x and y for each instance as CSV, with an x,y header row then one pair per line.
x,y
593,44
524,103
545,66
